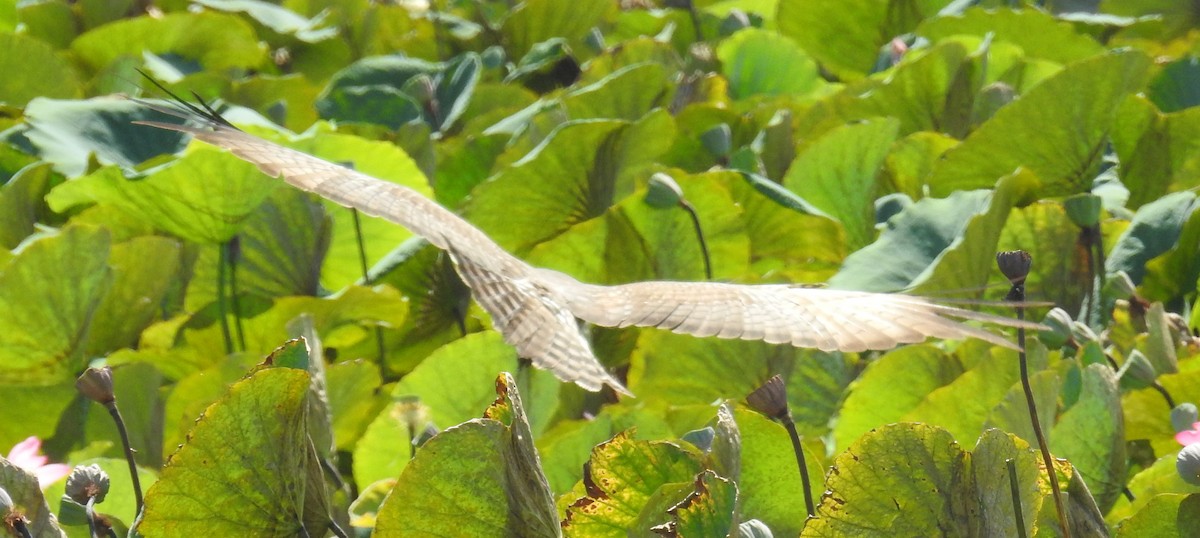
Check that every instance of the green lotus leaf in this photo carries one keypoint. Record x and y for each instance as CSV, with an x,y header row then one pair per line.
x,y
625,481
751,60
1091,435
914,479
241,471
213,41
49,295
1065,120
456,380
43,73
204,197
534,21
1039,34
837,174
846,39
484,474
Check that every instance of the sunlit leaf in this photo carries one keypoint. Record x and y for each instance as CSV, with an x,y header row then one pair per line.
x,y
386,446
917,92
534,21
837,174
485,473
915,479
49,294
279,251
625,481
145,269
845,39
1161,478
751,60
709,510
1159,152
238,470
1164,515
1091,435
279,19
188,36
1038,33
203,197
459,379
1058,130
42,72
769,485
353,388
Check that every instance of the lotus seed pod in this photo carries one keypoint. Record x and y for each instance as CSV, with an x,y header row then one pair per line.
x,y
662,191
1184,416
1138,367
770,399
492,57
1083,334
1188,464
422,88
97,385
1084,209
990,100
734,21
718,140
86,482
1121,286
595,40
1058,332
1015,265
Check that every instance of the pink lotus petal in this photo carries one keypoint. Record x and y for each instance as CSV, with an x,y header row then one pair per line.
x,y
49,474
1189,437
25,449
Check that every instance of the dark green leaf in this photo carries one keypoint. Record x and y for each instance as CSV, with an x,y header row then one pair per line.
x,y
1154,231
68,133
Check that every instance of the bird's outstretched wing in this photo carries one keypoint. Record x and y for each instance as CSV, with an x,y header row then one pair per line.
x,y
825,319
536,309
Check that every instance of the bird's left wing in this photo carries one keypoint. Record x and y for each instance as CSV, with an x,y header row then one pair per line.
x,y
531,317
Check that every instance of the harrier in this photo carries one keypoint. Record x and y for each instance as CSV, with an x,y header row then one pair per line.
x,y
537,310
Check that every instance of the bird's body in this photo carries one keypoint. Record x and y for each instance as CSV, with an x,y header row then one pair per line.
x,y
537,309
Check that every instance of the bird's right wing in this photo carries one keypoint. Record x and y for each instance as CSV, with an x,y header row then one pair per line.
x,y
819,318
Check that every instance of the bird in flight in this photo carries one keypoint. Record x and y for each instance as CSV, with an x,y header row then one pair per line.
x,y
537,310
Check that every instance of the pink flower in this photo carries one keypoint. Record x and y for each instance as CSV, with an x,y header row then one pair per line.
x,y
25,455
1189,437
